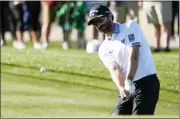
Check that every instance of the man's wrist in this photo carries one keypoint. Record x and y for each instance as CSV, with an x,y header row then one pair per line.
x,y
129,79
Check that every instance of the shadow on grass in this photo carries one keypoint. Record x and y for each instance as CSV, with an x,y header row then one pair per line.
x,y
64,72
66,82
55,80
72,73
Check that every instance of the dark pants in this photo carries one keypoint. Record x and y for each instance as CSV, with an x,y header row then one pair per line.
x,y
34,9
33,23
175,12
143,101
3,5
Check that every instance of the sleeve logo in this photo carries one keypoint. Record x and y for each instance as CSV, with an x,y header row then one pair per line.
x,y
131,37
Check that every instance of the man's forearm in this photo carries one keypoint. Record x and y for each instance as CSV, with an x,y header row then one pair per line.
x,y
132,62
116,75
117,78
132,68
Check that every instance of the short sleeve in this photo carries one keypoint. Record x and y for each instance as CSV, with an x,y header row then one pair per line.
x,y
133,34
105,56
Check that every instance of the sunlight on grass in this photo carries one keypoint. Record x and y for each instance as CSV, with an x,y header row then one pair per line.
x,y
76,84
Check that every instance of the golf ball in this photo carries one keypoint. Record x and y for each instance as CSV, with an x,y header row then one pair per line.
x,y
43,69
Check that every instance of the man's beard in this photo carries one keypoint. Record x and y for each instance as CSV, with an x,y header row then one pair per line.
x,y
105,28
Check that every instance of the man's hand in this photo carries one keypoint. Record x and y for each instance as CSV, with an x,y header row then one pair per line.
x,y
129,86
124,93
127,90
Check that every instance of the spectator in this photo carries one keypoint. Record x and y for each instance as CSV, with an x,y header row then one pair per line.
x,y
175,13
19,44
123,9
27,19
64,19
48,16
160,15
7,21
12,20
3,5
79,21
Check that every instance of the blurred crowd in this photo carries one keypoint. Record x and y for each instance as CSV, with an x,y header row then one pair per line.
x,y
37,18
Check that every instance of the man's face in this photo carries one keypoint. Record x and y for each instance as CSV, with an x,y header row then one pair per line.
x,y
103,24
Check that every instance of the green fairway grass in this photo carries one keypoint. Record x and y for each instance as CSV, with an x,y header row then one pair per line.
x,y
76,84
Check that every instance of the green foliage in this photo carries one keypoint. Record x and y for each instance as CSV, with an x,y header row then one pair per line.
x,y
73,14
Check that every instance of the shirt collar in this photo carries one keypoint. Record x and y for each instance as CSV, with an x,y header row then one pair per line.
x,y
116,28
115,31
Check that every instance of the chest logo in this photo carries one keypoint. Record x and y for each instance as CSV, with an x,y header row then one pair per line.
x,y
123,41
111,51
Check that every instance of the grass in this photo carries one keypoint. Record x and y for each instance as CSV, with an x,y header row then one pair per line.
x,y
76,84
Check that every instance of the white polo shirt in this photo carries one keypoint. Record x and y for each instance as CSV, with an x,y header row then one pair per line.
x,y
115,49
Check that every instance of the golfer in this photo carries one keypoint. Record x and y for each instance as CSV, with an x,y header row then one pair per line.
x,y
126,54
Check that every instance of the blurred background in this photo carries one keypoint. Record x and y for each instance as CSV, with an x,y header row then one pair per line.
x,y
55,35
66,21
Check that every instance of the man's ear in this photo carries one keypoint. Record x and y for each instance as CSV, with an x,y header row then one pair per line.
x,y
110,16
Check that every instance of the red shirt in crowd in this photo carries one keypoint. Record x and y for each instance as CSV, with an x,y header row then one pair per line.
x,y
49,2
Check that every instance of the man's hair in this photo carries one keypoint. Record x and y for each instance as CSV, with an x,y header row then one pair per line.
x,y
112,17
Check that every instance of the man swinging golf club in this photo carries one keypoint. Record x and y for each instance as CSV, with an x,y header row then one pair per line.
x,y
126,54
